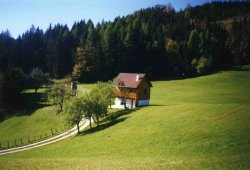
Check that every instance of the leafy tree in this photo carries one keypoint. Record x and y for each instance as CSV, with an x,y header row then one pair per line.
x,y
204,65
92,106
100,109
88,108
38,77
75,112
86,62
105,91
93,109
194,63
172,47
100,100
58,93
76,73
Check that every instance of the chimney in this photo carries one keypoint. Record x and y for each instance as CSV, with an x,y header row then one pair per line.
x,y
137,77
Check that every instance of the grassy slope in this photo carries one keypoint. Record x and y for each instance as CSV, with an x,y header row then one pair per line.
x,y
35,121
195,123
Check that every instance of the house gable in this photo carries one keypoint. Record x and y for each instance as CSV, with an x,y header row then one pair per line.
x,y
137,85
143,90
130,80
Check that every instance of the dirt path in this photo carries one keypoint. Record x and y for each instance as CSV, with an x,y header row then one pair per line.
x,y
69,133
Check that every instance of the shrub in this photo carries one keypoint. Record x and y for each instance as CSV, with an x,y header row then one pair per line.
x,y
204,65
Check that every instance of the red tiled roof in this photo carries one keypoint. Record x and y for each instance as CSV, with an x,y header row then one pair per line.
x,y
129,79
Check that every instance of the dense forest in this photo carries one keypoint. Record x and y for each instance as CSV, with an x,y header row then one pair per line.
x,y
159,41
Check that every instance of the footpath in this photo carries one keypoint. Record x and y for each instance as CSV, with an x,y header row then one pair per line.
x,y
83,124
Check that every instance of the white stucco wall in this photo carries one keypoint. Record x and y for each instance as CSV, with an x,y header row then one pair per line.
x,y
118,103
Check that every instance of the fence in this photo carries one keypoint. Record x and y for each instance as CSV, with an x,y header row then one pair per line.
x,y
17,142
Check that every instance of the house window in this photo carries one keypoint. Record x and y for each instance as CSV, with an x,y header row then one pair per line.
x,y
145,91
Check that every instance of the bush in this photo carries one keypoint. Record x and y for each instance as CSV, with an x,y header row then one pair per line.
x,y
204,65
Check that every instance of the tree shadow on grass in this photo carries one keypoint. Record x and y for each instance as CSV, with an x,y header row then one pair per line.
x,y
119,113
102,126
31,102
109,121
157,105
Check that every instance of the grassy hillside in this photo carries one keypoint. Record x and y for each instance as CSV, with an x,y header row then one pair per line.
x,y
198,123
35,121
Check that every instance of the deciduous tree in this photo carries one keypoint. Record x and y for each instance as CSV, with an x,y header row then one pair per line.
x,y
86,62
37,77
58,93
204,65
75,112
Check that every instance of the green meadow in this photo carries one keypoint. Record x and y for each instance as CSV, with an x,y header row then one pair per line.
x,y
36,121
196,123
